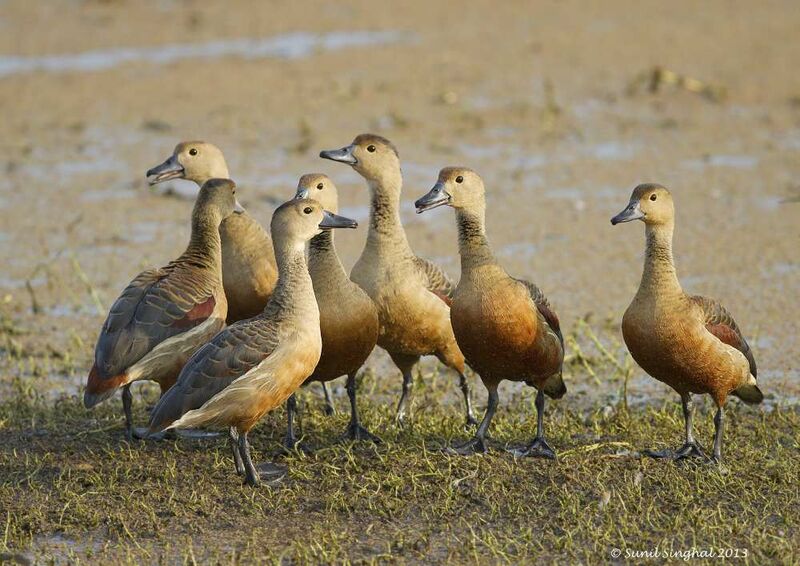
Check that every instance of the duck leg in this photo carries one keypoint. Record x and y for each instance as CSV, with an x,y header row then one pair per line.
x,y
127,401
330,410
290,441
233,439
539,448
690,448
355,431
465,390
718,426
406,365
268,472
478,444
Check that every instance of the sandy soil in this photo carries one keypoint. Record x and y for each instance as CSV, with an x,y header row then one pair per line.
x,y
547,101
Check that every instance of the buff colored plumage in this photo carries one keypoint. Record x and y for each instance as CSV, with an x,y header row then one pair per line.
x,y
505,326
412,295
691,343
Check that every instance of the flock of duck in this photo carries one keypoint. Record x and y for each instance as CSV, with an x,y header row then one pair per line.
x,y
241,320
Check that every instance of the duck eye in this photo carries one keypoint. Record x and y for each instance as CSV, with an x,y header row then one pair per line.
x,y
308,210
653,196
459,179
320,186
371,148
193,151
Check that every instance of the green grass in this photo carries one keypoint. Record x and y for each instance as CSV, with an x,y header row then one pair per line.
x,y
71,489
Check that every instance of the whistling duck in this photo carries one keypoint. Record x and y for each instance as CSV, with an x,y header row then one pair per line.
x,y
505,326
691,343
254,365
248,262
348,317
412,295
165,314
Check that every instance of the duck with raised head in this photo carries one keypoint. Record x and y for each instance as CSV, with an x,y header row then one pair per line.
x,y
165,314
254,365
691,343
505,326
249,272
348,317
412,295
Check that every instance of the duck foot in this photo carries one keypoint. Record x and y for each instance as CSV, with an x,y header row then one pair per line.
x,y
356,432
475,446
688,450
539,448
471,421
141,433
271,473
293,445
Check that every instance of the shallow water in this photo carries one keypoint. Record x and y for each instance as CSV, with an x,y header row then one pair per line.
x,y
287,46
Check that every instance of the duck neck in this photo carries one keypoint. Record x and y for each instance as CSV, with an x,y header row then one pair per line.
x,y
322,258
473,246
214,171
385,228
205,248
294,290
659,276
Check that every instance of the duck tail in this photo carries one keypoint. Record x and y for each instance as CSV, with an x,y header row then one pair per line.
x,y
749,392
98,389
554,386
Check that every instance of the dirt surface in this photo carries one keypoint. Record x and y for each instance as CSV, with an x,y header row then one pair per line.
x,y
550,102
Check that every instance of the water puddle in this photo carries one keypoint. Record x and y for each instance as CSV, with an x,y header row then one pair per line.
x,y
731,161
287,46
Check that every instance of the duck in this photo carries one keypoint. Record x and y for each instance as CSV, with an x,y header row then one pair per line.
x,y
348,317
505,326
167,313
689,342
256,364
412,295
249,271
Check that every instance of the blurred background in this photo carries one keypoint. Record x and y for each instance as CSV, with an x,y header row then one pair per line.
x,y
562,106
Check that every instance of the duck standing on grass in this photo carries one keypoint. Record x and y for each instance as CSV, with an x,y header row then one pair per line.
x,y
412,295
254,365
691,343
348,318
165,314
505,326
249,272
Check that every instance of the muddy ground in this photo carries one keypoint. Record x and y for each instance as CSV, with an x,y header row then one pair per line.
x,y
553,103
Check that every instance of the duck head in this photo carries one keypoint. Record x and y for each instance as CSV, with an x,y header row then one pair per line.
x,y
458,187
320,188
196,161
299,220
219,196
374,157
650,203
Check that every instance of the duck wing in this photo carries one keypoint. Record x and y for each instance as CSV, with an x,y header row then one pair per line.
x,y
229,355
544,308
158,304
720,323
437,281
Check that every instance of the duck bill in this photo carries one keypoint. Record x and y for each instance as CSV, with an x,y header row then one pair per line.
x,y
331,220
301,194
343,155
436,197
170,169
238,208
632,212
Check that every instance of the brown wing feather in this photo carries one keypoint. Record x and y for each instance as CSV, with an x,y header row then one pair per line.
x,y
229,355
720,323
438,282
543,305
158,304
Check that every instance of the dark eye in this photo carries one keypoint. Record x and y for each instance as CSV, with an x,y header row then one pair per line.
x,y
459,179
320,186
371,148
193,151
308,210
653,196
